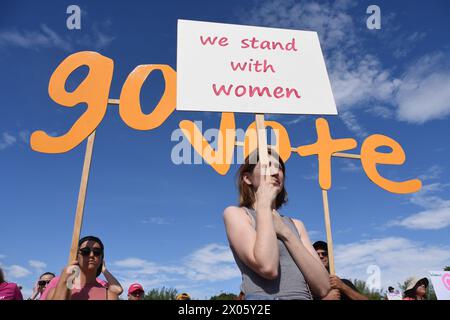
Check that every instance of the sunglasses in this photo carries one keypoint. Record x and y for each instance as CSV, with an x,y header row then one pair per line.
x,y
137,293
86,251
43,282
323,254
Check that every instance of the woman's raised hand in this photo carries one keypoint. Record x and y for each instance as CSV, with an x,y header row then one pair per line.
x,y
267,191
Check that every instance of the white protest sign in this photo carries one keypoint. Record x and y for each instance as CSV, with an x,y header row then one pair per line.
x,y
441,284
235,68
395,295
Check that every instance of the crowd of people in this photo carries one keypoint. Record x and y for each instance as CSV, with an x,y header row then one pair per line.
x,y
273,252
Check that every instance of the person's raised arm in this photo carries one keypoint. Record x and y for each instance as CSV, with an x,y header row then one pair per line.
x,y
114,287
312,268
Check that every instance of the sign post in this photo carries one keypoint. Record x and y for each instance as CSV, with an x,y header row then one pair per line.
x,y
81,198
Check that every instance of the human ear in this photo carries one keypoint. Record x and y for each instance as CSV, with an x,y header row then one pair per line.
x,y
247,179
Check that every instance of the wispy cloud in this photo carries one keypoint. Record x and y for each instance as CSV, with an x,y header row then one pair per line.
x,y
157,220
350,121
45,37
431,219
398,258
404,45
434,172
37,265
6,140
15,271
436,214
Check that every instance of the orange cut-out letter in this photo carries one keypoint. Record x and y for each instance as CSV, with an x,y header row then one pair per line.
x,y
94,90
370,158
221,158
130,107
283,144
324,147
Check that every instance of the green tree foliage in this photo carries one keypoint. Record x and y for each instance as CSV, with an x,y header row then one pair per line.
x,y
161,294
224,296
361,286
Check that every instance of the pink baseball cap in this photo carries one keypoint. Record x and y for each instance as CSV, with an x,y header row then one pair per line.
x,y
135,287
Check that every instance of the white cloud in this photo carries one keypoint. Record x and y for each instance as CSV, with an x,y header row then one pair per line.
x,y
6,140
398,259
211,263
432,219
436,214
15,271
425,90
358,80
39,266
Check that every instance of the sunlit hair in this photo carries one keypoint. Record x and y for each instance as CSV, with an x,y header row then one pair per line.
x,y
247,195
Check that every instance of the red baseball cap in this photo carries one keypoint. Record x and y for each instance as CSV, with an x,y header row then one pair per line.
x,y
135,287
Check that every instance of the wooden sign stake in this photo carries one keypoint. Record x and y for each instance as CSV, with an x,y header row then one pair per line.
x,y
328,230
81,198
262,140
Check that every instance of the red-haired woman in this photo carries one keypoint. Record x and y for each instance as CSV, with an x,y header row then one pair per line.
x,y
273,252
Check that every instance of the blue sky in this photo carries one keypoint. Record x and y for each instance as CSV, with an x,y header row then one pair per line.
x,y
162,223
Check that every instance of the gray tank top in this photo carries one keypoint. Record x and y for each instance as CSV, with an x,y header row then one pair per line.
x,y
290,283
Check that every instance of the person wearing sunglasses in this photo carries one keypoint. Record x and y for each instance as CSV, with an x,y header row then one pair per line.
x,y
341,289
41,284
84,285
273,252
416,289
9,290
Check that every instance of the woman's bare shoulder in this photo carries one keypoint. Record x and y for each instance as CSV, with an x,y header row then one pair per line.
x,y
235,213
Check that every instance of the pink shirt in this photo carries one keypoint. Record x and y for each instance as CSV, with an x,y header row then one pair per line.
x,y
89,292
10,291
